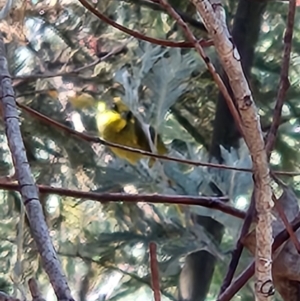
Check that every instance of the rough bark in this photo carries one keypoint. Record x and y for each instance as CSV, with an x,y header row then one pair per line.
x,y
213,16
245,32
28,189
246,28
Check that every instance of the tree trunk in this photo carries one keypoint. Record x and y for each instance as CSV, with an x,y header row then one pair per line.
x,y
196,275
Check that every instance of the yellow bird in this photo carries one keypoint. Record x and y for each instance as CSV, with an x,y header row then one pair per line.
x,y
119,125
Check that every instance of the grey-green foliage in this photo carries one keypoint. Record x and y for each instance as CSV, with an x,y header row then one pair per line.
x,y
163,73
96,241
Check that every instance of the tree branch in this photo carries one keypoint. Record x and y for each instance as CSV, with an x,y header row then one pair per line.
x,y
208,202
137,34
154,271
236,254
213,16
95,139
249,271
27,185
284,82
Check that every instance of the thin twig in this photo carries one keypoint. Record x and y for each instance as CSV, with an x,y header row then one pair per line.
x,y
236,254
284,83
286,223
216,203
90,138
140,36
206,60
154,271
34,290
249,271
142,281
155,5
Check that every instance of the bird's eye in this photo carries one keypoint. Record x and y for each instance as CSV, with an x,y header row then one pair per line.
x,y
114,107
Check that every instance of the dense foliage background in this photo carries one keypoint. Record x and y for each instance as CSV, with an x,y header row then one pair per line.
x,y
52,48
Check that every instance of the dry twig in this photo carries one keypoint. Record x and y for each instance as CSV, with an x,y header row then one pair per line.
x,y
137,34
34,290
284,80
154,271
286,223
241,280
209,65
216,203
237,252
90,138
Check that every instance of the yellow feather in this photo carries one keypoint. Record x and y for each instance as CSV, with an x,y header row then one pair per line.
x,y
121,127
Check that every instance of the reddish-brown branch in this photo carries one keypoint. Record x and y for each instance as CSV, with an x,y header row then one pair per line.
x,y
90,138
236,254
248,273
154,271
209,65
185,16
34,290
286,223
140,36
216,203
284,83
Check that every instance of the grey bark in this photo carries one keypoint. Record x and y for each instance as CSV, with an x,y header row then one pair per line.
x,y
199,266
28,189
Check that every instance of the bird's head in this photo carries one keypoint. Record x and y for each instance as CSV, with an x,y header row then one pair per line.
x,y
108,116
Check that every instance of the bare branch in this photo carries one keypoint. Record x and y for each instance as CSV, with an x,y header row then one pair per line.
x,y
284,83
27,185
209,65
213,15
208,202
138,35
286,223
90,138
34,290
237,252
241,280
154,271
